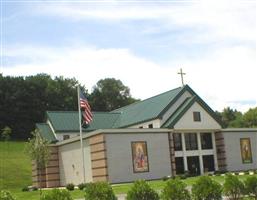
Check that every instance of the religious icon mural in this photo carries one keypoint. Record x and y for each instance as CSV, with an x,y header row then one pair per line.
x,y
140,156
246,152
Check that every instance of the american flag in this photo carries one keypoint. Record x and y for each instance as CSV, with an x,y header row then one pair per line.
x,y
85,107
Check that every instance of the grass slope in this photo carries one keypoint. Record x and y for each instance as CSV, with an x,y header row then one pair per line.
x,y
15,166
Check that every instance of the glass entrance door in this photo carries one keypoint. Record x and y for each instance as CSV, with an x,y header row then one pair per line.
x,y
193,165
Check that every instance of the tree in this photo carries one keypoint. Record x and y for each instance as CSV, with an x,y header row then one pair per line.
x,y
110,94
206,189
175,189
6,133
250,118
30,97
251,186
38,150
228,115
141,190
99,191
233,188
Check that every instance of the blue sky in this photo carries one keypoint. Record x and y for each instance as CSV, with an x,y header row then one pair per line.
x,y
142,43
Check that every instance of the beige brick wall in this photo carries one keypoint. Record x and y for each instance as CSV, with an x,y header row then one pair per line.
x,y
50,175
98,158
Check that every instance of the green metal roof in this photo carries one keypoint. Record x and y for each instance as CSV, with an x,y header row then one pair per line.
x,y
139,112
145,110
46,132
68,121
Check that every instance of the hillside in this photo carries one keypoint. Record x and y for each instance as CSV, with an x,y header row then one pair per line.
x,y
15,167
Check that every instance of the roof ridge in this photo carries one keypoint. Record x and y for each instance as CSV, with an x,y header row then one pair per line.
x,y
42,123
69,111
147,99
60,111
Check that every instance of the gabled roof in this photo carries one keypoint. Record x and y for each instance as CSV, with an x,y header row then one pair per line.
x,y
46,132
181,110
136,113
68,121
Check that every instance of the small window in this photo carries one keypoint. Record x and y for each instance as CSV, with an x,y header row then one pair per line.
x,y
206,141
197,116
191,141
66,137
140,126
150,126
177,141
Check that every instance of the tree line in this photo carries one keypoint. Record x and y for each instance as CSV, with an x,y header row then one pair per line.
x,y
231,118
24,100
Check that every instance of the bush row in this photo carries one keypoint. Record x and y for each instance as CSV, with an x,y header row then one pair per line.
x,y
205,188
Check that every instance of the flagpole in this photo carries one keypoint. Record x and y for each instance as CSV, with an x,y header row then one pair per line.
x,y
81,139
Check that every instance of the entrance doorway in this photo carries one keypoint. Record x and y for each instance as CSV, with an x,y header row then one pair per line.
x,y
193,165
179,165
208,163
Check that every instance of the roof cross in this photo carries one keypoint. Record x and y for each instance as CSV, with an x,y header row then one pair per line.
x,y
181,74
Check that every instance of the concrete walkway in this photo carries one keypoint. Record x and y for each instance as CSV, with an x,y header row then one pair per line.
x,y
120,197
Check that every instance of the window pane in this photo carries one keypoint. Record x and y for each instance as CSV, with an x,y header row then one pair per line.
x,y
177,141
197,116
179,165
208,163
206,141
191,141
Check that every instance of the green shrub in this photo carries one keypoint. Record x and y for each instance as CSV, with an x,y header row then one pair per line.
x,y
56,194
251,186
206,189
175,189
236,173
25,189
182,176
247,172
6,195
165,178
142,191
99,191
233,187
82,186
70,186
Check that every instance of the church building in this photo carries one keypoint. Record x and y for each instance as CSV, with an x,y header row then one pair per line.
x,y
165,135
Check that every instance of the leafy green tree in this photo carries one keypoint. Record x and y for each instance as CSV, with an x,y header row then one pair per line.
x,y
39,152
251,186
233,188
142,191
238,122
24,100
250,118
175,189
6,133
228,115
6,195
110,94
57,194
99,191
206,189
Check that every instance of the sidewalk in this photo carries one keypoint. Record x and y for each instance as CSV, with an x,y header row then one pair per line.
x,y
120,197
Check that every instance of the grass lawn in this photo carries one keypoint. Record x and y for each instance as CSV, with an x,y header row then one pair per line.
x,y
15,166
15,173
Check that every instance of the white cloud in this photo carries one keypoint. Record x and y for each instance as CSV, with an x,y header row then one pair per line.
x,y
223,76
214,19
226,76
